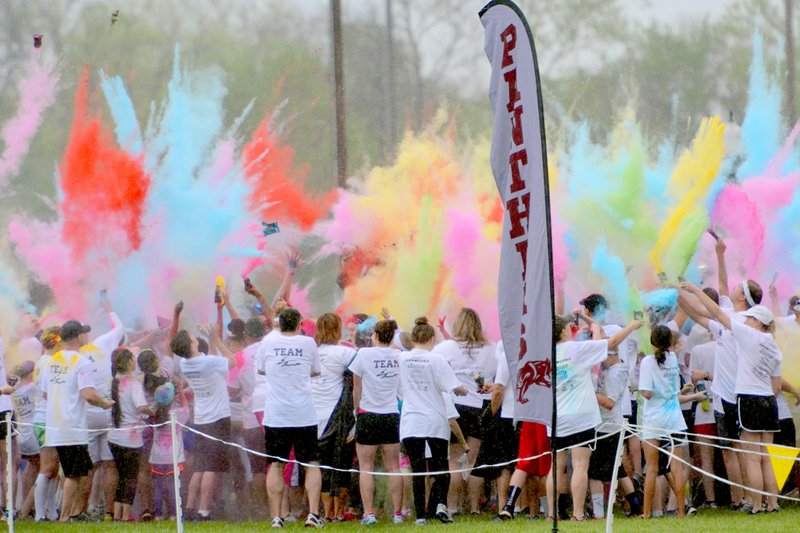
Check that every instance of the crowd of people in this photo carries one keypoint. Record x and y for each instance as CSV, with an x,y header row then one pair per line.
x,y
318,400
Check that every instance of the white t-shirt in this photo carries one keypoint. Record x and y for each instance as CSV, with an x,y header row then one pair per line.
x,y
241,378
63,378
379,370
327,386
40,413
503,377
259,379
612,383
161,452
702,358
5,401
724,383
24,399
662,412
424,377
288,363
98,352
577,405
131,397
207,376
758,360
468,363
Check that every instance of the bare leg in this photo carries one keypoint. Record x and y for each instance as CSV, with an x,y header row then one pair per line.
x,y
752,464
651,457
208,485
768,474
275,488
313,486
456,480
734,471
707,465
552,493
580,479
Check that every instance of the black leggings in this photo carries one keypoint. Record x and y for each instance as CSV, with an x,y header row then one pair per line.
x,y
127,461
415,449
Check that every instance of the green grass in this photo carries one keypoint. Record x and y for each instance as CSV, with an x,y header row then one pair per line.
x,y
705,521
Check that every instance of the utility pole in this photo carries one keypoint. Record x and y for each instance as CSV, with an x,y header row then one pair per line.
x,y
391,89
338,92
790,68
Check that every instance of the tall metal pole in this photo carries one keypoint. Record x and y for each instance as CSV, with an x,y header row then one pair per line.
x,y
338,92
790,67
391,89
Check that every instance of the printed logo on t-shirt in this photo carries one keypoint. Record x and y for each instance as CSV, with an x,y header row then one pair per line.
x,y
288,356
387,368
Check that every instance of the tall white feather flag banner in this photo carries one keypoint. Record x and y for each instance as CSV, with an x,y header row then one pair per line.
x,y
519,164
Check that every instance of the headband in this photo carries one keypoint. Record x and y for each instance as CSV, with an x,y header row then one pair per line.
x,y
747,295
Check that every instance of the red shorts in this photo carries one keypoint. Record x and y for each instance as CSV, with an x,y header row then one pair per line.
x,y
706,429
533,442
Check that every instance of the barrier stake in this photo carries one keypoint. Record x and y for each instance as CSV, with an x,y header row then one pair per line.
x,y
612,490
9,474
176,473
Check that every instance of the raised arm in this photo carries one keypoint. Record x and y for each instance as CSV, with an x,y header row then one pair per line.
x,y
693,308
176,318
226,300
255,293
713,309
620,336
216,346
293,264
722,271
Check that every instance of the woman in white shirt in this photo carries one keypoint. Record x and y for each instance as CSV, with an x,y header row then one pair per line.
x,y
125,438
472,358
376,379
578,411
662,420
424,426
327,388
758,381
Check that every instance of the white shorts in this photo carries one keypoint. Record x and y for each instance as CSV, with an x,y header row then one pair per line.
x,y
98,447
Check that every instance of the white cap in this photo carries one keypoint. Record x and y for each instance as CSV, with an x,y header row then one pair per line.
x,y
760,313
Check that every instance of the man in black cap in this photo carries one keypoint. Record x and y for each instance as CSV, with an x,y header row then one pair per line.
x,y
68,378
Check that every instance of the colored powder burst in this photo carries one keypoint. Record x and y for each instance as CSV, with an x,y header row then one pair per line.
x,y
37,90
694,174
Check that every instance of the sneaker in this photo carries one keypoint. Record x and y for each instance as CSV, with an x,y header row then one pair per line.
x,y
83,517
442,514
277,523
315,521
421,522
709,505
290,519
776,509
369,520
397,518
746,508
147,516
505,514
691,511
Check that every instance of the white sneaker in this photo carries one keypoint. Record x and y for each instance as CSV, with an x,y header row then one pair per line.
x,y
397,518
421,522
369,520
314,521
442,514
277,523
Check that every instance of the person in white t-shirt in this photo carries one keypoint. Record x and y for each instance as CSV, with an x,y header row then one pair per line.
x,y
578,411
662,420
289,361
68,382
376,380
701,364
327,389
206,375
758,381
24,399
424,426
125,437
47,480
472,358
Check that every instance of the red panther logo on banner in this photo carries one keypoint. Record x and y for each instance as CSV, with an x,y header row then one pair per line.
x,y
533,373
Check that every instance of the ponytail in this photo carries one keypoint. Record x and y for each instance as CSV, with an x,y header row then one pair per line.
x,y
116,411
119,365
661,339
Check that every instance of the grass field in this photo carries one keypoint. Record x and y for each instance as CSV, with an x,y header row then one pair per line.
x,y
706,522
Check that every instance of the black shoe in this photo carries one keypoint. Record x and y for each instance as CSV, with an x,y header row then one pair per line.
x,y
83,517
505,514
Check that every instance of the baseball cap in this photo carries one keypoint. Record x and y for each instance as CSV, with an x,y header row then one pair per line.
x,y
71,329
760,313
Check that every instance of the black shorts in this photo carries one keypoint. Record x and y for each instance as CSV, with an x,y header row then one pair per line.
x,y
688,417
634,417
601,465
664,463
758,413
727,422
787,436
211,455
581,437
499,444
469,420
254,440
373,429
280,441
75,460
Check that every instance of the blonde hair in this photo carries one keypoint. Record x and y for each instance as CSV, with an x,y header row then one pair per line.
x,y
468,328
329,329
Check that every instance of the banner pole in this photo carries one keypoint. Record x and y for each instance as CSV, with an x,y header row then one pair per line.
x,y
176,473
9,473
612,489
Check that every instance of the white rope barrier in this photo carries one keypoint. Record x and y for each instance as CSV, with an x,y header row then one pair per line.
x,y
176,473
